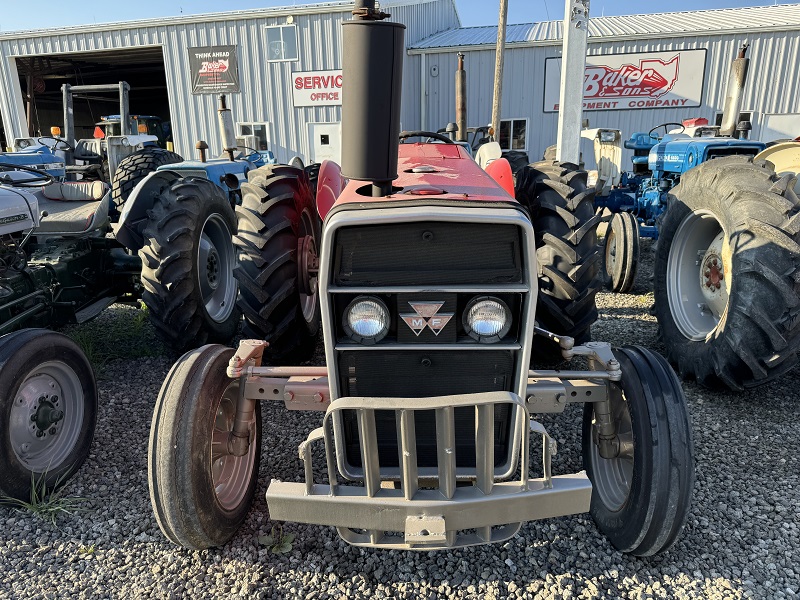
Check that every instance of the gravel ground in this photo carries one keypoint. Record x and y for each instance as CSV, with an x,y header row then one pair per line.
x,y
741,539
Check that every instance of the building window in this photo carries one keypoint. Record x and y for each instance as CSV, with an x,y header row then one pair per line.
x,y
253,136
514,134
281,43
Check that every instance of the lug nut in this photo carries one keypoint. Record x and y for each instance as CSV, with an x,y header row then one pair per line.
x,y
33,417
39,433
52,431
318,397
708,273
54,398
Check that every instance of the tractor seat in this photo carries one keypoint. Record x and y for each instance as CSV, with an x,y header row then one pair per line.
x,y
74,208
84,151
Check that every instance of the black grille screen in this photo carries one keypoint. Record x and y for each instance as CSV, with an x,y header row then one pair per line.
x,y
419,374
427,253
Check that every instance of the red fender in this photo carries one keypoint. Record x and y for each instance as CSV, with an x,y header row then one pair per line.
x,y
500,171
330,184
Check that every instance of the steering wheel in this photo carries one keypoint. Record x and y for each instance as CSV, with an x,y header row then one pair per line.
x,y
65,145
665,125
252,151
404,135
41,178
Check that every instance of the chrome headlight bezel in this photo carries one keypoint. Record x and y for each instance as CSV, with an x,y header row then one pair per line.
x,y
358,337
483,338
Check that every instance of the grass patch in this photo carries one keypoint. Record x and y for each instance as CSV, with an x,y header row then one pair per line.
x,y
127,334
46,503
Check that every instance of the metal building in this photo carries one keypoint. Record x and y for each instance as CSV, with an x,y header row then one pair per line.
x,y
269,49
281,70
705,43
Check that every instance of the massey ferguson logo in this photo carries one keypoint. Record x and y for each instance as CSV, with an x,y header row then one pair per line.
x,y
426,315
651,78
217,66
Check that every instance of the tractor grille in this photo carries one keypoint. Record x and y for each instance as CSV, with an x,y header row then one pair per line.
x,y
438,262
432,254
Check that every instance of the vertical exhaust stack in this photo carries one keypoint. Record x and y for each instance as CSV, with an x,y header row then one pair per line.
x,y
733,96
226,128
461,100
372,71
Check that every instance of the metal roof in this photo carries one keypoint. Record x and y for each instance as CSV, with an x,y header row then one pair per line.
x,y
278,11
780,17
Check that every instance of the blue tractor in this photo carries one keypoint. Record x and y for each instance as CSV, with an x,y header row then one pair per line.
x,y
183,229
725,212
639,197
43,154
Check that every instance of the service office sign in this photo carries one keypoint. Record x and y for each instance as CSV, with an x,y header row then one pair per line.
x,y
214,69
672,79
317,88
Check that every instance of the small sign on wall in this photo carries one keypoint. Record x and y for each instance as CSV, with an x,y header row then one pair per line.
x,y
214,69
317,88
669,79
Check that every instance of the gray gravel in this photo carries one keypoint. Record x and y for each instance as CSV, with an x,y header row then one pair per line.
x,y
741,540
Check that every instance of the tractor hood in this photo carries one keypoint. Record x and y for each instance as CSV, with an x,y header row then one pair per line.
x,y
678,153
435,173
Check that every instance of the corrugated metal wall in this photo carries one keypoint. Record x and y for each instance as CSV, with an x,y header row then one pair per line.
x,y
266,87
773,85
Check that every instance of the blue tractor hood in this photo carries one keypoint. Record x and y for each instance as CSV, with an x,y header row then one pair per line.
x,y
677,153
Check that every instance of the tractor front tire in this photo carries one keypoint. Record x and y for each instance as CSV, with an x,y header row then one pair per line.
x,y
621,253
641,498
278,243
48,410
135,167
188,260
200,492
561,207
726,271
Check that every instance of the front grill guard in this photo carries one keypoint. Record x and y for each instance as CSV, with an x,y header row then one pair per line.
x,y
422,213
446,516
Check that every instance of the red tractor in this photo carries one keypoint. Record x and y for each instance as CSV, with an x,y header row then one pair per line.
x,y
425,280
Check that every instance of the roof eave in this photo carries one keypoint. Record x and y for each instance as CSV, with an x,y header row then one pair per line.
x,y
604,39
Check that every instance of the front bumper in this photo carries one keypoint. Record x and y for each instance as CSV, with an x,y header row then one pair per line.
x,y
427,513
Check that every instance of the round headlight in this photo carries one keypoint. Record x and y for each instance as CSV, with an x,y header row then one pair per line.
x,y
487,319
366,320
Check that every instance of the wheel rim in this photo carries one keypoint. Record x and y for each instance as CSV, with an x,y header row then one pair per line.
x,y
611,251
47,416
699,275
613,477
309,268
231,475
215,263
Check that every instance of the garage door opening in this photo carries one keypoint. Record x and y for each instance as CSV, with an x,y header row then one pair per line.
x,y
41,78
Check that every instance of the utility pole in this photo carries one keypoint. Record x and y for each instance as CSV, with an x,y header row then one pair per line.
x,y
461,100
573,65
498,68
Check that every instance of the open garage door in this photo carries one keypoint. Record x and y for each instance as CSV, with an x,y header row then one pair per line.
x,y
41,78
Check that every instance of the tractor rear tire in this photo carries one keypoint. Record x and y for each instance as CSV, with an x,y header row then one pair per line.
x,y
135,167
48,411
641,498
279,229
561,208
726,273
188,261
200,492
621,253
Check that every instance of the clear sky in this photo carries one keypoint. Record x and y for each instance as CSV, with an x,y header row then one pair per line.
x,y
23,15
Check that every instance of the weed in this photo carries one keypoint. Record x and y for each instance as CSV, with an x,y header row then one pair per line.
x,y
87,550
279,543
46,503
